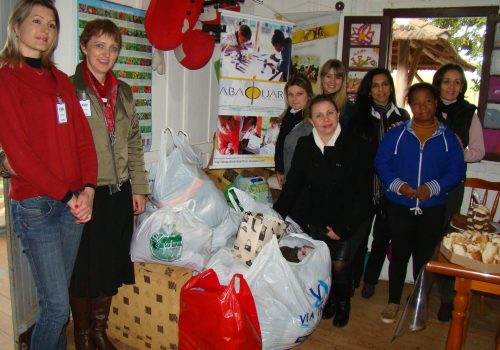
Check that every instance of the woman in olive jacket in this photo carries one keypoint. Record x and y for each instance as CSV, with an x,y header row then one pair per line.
x,y
103,263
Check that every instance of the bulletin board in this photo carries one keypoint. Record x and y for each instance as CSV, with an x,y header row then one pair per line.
x,y
133,66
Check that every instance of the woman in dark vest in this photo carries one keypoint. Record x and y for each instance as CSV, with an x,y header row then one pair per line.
x,y
460,116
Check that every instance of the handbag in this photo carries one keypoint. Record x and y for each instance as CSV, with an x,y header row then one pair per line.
x,y
256,229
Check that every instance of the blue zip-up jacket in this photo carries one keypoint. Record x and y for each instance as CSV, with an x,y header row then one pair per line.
x,y
438,163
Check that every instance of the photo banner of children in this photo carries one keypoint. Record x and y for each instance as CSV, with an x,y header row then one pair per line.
x,y
314,41
255,61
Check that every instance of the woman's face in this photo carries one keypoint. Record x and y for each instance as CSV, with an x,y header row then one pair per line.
x,y
381,89
325,118
451,86
332,82
37,32
423,106
101,53
297,97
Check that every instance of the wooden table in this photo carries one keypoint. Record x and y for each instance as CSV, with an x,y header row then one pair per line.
x,y
466,280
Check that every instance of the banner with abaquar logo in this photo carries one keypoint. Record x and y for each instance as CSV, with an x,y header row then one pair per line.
x,y
255,60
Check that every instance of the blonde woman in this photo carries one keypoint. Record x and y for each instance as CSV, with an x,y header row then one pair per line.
x,y
51,158
333,82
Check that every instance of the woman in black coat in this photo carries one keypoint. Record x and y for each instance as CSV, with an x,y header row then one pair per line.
x,y
329,171
374,113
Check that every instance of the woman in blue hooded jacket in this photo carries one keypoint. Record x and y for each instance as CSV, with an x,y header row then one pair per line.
x,y
418,162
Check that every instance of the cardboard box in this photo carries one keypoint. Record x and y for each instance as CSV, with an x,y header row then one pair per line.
x,y
469,263
146,315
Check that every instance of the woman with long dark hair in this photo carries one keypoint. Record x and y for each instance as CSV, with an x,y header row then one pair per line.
x,y
461,117
374,113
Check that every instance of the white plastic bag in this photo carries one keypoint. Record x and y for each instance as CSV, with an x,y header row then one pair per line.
x,y
225,233
179,182
248,203
289,296
196,238
224,263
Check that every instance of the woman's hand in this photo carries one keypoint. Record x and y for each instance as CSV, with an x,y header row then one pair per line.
x,y
7,166
332,234
423,192
280,177
82,209
139,202
407,191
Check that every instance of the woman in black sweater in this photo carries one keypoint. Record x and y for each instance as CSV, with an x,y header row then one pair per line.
x,y
298,92
374,113
329,172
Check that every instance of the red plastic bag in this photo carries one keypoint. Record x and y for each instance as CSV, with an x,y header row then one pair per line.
x,y
214,316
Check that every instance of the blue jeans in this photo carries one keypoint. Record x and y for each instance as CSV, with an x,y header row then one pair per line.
x,y
49,237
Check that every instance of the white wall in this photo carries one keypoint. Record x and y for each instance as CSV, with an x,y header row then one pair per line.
x,y
187,100
182,99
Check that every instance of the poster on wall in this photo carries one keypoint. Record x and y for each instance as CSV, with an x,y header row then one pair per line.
x,y
255,58
363,58
133,65
314,42
354,79
365,34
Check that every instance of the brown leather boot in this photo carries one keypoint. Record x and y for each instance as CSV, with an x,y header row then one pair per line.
x,y
80,309
99,314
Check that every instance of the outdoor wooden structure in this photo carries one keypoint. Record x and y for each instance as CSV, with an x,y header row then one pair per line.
x,y
418,45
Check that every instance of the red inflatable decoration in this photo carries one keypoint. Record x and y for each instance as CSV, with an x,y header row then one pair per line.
x,y
168,22
172,24
196,49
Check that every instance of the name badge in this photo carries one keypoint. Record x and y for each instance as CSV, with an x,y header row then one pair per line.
x,y
86,107
62,117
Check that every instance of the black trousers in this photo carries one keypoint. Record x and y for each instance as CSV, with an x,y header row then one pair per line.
x,y
411,234
380,243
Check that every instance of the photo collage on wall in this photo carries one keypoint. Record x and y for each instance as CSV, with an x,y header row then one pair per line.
x,y
133,65
253,72
364,54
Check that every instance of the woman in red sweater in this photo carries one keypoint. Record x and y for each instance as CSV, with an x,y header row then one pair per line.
x,y
51,156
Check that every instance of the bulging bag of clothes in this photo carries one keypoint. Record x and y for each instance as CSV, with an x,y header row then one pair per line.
x,y
179,181
289,296
255,231
172,236
213,316
244,202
